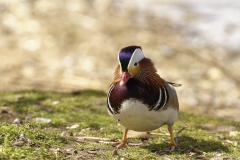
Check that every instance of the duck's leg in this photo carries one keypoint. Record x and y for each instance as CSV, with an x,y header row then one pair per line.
x,y
124,139
173,145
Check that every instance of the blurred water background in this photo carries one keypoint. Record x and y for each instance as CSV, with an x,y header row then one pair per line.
x,y
68,45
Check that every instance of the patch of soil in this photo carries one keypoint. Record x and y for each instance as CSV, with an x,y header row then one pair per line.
x,y
8,115
74,154
217,129
88,154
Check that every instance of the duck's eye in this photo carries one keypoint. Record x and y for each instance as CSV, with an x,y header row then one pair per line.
x,y
135,64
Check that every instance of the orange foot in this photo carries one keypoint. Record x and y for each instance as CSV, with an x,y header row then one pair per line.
x,y
122,144
172,148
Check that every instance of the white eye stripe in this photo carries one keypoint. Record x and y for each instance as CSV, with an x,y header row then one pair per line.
x,y
136,57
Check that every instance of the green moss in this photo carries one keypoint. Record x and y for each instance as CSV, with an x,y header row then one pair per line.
x,y
88,110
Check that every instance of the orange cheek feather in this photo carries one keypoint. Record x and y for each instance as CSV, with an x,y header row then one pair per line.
x,y
134,70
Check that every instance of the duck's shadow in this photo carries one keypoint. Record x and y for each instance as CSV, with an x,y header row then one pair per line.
x,y
188,144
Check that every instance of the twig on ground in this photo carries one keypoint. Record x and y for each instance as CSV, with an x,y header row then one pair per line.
x,y
194,149
180,131
176,136
92,139
160,134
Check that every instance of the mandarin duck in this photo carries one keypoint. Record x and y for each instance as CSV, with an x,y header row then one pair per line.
x,y
138,98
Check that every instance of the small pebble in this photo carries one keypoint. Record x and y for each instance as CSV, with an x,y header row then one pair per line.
x,y
73,126
55,102
55,149
66,134
235,144
234,133
4,110
21,140
17,121
71,151
42,120
102,129
166,158
115,152
218,155
221,137
219,150
22,137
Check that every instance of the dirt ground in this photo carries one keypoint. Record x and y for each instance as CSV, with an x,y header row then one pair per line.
x,y
73,45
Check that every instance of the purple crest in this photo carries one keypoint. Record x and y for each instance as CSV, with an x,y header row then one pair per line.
x,y
125,55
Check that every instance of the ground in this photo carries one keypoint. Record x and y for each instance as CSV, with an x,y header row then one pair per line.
x,y
76,125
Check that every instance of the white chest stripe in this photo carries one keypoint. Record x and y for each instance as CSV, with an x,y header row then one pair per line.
x,y
108,97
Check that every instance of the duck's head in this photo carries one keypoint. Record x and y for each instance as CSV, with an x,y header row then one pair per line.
x,y
129,58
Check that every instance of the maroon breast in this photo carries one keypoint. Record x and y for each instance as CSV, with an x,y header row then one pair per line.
x,y
133,89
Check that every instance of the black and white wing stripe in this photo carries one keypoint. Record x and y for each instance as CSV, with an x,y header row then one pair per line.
x,y
162,100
